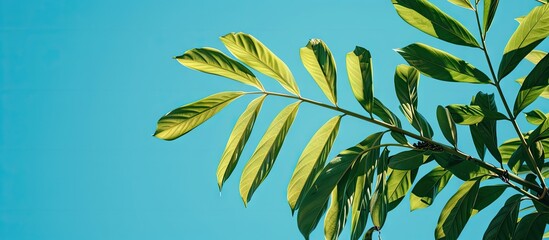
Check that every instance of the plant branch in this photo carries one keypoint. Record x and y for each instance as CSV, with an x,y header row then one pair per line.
x,y
512,118
449,149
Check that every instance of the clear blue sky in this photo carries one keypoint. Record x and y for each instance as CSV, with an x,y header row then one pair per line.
x,y
82,84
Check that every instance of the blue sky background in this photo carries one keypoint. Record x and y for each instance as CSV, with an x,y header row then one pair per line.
x,y
84,82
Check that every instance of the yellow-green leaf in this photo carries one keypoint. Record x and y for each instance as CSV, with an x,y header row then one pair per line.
x,y
264,156
312,161
441,65
184,119
408,160
447,125
531,31
535,56
256,55
457,211
536,117
544,94
319,62
462,3
337,213
239,136
213,61
360,72
398,184
378,204
426,17
490,7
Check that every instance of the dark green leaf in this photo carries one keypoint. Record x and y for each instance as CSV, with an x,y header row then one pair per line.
x,y
441,65
540,133
427,188
531,226
535,83
319,62
447,125
461,168
487,128
487,195
378,204
429,19
256,55
457,211
213,61
359,70
184,119
471,114
408,160
389,117
239,136
311,161
264,156
531,31
368,235
504,223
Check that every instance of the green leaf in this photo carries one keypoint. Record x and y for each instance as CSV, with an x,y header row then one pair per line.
x,y
427,188
457,211
462,3
378,204
184,119
406,82
531,31
337,213
417,120
540,133
213,61
429,19
534,85
480,146
535,56
239,136
504,223
389,117
319,62
471,114
536,117
486,130
487,195
314,203
447,125
544,94
264,156
368,235
364,177
256,55
312,161
490,7
531,226
398,184
507,148
441,65
359,70
461,168
408,160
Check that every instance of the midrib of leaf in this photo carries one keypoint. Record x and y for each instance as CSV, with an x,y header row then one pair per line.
x,y
400,183
452,69
456,215
529,31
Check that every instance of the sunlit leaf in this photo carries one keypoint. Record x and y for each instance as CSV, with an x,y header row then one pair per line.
x,y
487,195
408,160
184,119
490,7
463,3
319,62
378,204
312,161
536,116
264,156
239,136
417,120
530,32
427,188
447,125
457,211
336,216
314,203
471,114
540,133
213,61
531,226
441,65
256,55
544,94
364,174
534,85
485,132
426,17
360,72
535,56
504,223
398,184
